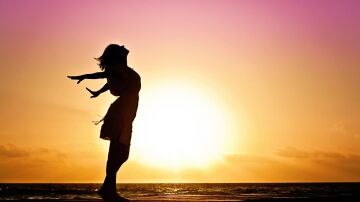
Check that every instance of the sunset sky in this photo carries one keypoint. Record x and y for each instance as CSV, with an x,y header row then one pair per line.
x,y
232,91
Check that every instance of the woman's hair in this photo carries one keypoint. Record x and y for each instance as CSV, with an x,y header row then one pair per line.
x,y
113,54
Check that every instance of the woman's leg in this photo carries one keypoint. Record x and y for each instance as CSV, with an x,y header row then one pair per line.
x,y
118,154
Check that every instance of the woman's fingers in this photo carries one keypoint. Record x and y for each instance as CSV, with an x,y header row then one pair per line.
x,y
76,78
92,92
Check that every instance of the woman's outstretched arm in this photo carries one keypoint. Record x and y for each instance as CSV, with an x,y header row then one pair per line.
x,y
97,75
97,93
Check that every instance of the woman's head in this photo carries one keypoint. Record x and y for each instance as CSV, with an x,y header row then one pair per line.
x,y
113,54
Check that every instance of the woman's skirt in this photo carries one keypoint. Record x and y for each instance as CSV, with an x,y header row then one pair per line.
x,y
119,118
112,122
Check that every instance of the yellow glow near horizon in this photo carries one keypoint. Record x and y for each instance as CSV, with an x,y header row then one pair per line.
x,y
180,127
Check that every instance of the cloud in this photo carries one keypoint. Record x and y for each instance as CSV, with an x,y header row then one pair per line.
x,y
334,165
284,165
9,151
228,168
295,153
32,164
347,129
55,153
12,151
292,153
338,128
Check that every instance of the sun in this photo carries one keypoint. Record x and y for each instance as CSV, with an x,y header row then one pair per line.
x,y
179,126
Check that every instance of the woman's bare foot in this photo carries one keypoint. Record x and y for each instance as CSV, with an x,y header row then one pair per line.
x,y
111,196
121,199
108,196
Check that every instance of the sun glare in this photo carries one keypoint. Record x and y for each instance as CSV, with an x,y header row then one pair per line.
x,y
179,127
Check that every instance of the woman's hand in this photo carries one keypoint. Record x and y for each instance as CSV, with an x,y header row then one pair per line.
x,y
93,93
79,78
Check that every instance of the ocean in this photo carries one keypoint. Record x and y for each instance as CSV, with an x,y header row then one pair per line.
x,y
187,191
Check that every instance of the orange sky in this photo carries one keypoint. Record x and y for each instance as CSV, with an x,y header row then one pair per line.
x,y
272,86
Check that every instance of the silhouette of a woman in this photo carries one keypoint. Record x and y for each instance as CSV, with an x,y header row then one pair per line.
x,y
122,81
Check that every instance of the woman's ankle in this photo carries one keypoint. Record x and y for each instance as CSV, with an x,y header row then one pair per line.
x,y
106,188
